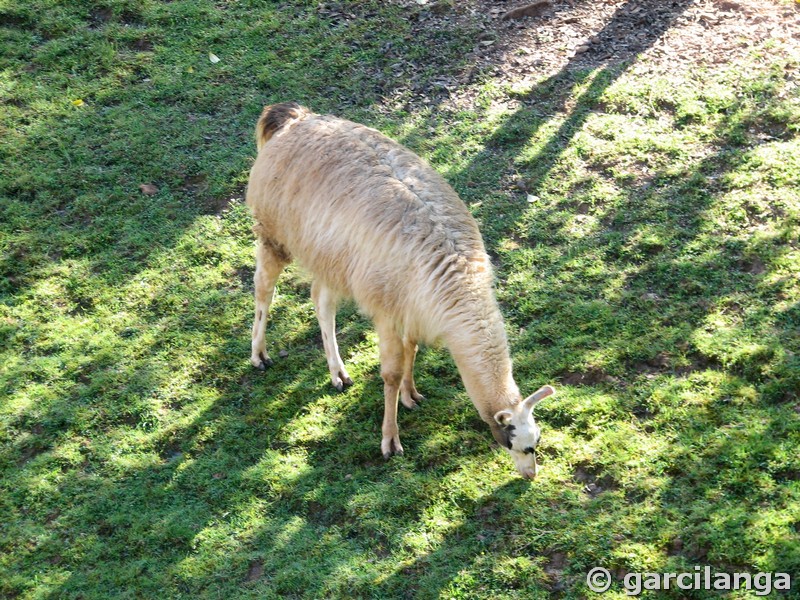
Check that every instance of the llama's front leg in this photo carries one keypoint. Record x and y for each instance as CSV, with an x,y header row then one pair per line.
x,y
269,265
391,354
409,395
325,304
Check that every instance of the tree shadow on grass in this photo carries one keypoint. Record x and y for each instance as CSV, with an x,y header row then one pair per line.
x,y
248,493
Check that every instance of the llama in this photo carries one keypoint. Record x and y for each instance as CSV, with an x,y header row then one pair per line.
x,y
371,221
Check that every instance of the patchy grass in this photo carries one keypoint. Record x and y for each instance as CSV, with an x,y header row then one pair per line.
x,y
649,268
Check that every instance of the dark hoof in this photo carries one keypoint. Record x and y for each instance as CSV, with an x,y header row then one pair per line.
x,y
394,447
342,383
410,400
266,361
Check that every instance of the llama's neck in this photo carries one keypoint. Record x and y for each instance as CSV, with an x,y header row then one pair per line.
x,y
480,349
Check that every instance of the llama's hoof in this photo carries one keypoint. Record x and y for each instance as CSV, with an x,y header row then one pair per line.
x,y
262,362
391,445
409,404
411,401
341,382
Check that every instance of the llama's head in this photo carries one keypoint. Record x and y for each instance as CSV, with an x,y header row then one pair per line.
x,y
520,433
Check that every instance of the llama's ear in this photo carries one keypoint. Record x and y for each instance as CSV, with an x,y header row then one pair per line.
x,y
535,397
503,417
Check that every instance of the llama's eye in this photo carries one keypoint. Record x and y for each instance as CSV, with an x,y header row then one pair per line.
x,y
529,450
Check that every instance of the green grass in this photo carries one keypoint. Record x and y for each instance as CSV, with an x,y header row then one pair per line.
x,y
654,278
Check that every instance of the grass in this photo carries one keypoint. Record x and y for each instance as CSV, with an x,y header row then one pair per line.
x,y
653,276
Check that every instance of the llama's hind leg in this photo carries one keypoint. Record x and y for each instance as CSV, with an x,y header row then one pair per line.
x,y
270,261
325,303
391,354
409,395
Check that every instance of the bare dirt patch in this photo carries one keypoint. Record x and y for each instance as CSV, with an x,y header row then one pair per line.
x,y
664,37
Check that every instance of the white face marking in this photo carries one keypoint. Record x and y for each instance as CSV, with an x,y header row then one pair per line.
x,y
524,439
522,431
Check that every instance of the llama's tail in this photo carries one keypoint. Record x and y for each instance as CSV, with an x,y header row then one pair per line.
x,y
276,116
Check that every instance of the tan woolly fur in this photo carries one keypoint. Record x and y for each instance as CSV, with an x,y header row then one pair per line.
x,y
371,221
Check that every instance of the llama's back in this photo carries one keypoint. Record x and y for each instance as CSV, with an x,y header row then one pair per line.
x,y
369,219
